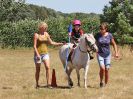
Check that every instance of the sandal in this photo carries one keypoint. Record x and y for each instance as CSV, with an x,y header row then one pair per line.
x,y
101,84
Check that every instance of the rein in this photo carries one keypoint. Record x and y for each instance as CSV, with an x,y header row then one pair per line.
x,y
90,49
87,50
82,51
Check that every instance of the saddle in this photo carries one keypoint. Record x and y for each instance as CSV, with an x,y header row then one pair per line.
x,y
69,57
70,54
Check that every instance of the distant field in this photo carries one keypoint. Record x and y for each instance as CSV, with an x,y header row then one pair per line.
x,y
17,78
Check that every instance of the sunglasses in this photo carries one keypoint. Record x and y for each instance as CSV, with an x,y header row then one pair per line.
x,y
102,29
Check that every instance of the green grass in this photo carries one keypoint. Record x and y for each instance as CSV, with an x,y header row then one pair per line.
x,y
17,78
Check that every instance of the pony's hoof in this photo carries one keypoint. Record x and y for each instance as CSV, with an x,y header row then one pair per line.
x,y
37,86
71,84
70,87
78,85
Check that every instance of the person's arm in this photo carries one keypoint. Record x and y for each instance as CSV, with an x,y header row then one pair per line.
x,y
115,47
81,32
52,42
35,44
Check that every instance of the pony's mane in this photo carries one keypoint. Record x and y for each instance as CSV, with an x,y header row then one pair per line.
x,y
88,34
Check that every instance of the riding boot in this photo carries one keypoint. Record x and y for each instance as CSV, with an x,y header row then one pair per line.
x,y
70,54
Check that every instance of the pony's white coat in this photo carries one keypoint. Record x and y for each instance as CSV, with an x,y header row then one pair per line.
x,y
80,57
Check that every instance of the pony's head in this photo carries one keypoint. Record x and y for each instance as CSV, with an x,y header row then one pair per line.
x,y
88,42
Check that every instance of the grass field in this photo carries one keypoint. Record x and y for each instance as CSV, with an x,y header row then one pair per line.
x,y
17,78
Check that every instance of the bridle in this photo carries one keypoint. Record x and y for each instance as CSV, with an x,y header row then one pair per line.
x,y
90,45
82,50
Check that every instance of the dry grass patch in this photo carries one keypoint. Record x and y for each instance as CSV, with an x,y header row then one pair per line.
x,y
17,78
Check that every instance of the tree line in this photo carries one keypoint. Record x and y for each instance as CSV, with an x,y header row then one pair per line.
x,y
120,17
19,21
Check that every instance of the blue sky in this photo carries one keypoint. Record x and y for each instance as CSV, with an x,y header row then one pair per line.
x,y
69,6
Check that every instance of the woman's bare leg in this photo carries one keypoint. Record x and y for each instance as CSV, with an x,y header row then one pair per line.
x,y
106,75
101,74
47,66
37,73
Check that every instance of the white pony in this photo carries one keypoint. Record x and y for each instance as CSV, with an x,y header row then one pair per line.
x,y
80,57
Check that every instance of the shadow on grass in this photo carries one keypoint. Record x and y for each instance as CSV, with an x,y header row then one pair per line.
x,y
93,87
7,87
67,87
58,87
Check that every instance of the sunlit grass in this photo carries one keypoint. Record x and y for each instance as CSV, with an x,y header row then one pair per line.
x,y
17,78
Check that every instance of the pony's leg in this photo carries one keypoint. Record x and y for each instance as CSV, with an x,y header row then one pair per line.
x,y
70,82
85,75
78,76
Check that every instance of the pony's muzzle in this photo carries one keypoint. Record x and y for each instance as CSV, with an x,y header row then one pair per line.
x,y
95,49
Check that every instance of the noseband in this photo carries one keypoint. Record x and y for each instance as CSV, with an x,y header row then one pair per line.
x,y
89,44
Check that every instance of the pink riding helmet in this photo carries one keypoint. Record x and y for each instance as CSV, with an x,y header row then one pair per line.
x,y
76,22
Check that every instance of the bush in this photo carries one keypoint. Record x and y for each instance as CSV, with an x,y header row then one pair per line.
x,y
20,33
17,33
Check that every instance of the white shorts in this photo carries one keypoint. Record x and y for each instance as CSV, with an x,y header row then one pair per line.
x,y
43,57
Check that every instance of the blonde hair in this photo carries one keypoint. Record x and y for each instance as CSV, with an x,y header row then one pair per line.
x,y
42,25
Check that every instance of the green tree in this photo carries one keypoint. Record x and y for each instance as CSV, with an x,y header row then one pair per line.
x,y
120,17
14,11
